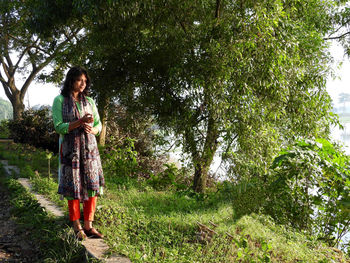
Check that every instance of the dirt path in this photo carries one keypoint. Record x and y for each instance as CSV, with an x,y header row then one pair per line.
x,y
15,245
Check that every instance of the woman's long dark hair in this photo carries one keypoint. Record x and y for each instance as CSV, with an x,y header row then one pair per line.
x,y
72,75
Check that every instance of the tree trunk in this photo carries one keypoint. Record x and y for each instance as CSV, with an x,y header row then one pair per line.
x,y
200,178
202,164
17,105
103,102
102,137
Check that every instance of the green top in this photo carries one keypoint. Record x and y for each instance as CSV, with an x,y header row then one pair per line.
x,y
62,127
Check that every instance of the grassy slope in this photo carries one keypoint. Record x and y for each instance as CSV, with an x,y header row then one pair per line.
x,y
161,226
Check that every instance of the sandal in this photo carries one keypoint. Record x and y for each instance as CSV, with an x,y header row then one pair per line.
x,y
80,234
93,233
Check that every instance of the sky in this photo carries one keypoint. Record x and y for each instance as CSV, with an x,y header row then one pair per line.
x,y
43,94
37,94
342,71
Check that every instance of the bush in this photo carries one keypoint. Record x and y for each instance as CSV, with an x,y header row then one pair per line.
x,y
124,161
170,177
4,129
309,188
121,161
141,129
35,128
248,197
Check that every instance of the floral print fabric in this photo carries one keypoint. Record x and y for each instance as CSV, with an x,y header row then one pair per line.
x,y
81,168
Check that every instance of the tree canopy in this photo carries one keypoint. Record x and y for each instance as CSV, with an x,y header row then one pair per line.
x,y
26,48
241,78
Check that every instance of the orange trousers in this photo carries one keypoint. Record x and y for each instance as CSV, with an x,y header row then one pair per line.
x,y
88,210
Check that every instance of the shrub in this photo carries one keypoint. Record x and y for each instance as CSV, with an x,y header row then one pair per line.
x,y
140,128
167,178
248,196
4,129
309,188
35,128
121,161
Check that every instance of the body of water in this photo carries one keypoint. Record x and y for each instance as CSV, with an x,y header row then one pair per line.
x,y
342,136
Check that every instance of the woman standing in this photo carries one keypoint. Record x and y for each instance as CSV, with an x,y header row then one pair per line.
x,y
80,172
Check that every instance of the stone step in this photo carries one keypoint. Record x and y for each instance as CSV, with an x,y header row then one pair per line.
x,y
9,168
44,202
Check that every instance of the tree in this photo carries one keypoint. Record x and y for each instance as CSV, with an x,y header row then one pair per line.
x,y
243,77
24,53
340,18
105,53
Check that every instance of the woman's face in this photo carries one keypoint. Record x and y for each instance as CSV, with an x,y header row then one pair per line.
x,y
80,84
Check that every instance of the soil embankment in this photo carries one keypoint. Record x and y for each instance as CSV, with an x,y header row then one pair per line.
x,y
15,245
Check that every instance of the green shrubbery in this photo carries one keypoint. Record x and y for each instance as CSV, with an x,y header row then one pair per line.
x,y
136,131
4,129
313,180
248,196
307,187
170,178
123,161
35,128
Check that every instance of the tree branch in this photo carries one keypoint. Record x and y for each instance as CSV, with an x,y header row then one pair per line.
x,y
337,37
227,148
21,57
2,80
29,46
9,66
181,23
38,68
7,91
6,87
335,31
342,232
217,10
35,71
6,69
9,62
73,34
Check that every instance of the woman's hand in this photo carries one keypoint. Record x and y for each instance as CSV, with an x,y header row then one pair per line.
x,y
88,118
84,122
89,129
